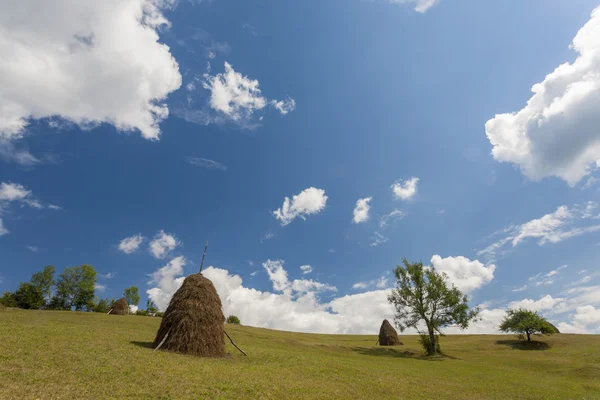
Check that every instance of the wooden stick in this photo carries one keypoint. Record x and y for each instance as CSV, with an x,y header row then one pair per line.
x,y
110,311
242,351
377,342
162,341
202,263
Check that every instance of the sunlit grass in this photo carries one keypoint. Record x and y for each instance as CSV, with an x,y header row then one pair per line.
x,y
68,355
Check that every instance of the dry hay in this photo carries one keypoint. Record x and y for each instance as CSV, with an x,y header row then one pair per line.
x,y
388,335
120,307
194,320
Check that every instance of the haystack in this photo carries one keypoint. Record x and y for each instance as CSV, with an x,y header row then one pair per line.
x,y
388,335
120,307
194,321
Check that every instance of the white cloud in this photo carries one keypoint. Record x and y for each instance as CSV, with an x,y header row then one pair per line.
x,y
13,192
167,279
361,210
589,183
69,59
131,244
378,239
420,6
556,133
393,216
133,308
3,230
380,283
109,275
309,201
405,189
100,288
267,236
306,269
544,303
360,285
206,163
551,228
33,249
465,274
277,274
556,271
238,98
162,244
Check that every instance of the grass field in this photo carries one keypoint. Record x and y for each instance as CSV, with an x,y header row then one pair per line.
x,y
68,355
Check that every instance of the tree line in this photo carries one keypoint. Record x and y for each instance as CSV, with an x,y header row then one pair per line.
x,y
74,289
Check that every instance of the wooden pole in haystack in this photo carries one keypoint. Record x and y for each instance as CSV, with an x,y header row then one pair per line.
x,y
203,255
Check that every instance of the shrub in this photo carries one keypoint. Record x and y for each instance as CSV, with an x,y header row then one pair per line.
x,y
425,341
103,306
29,296
232,319
8,299
159,314
141,312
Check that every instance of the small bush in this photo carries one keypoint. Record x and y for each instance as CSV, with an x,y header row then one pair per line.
x,y
8,300
425,341
232,319
142,312
159,314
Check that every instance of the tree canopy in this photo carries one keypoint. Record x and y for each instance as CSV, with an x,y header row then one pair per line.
x,y
75,288
44,280
424,297
232,319
131,295
526,323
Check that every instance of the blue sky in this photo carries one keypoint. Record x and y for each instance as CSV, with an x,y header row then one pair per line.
x,y
173,123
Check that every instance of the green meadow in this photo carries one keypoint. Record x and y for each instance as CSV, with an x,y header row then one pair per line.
x,y
72,355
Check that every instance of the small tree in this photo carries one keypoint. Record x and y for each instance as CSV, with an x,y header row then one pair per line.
x,y
232,319
423,296
102,306
132,296
151,307
8,300
44,280
525,323
29,296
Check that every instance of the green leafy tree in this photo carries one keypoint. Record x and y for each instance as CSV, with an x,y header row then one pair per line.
x,y
75,288
151,307
102,306
424,297
29,296
8,300
132,296
232,319
526,323
44,280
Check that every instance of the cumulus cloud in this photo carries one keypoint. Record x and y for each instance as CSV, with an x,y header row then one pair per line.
x,y
206,163
556,133
380,283
133,309
309,201
585,320
162,244
167,280
131,244
465,274
236,98
562,224
420,6
361,210
100,288
393,216
68,59
405,189
306,269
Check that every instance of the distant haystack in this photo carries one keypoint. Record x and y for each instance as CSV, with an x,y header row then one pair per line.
x,y
194,321
388,335
120,307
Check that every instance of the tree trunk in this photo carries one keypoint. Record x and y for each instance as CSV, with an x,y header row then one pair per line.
x,y
432,347
528,336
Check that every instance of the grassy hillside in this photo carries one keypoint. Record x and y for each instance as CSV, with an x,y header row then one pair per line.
x,y
68,355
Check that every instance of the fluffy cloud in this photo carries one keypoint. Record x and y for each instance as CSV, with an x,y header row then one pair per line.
x,y
133,308
361,210
420,6
13,192
69,59
131,244
309,201
206,163
236,98
562,224
405,189
100,288
556,133
167,280
391,217
306,269
380,283
542,304
465,274
162,244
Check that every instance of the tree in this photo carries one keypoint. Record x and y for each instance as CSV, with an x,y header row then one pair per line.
x,y
29,296
423,296
8,299
102,306
132,296
151,307
232,319
44,280
526,323
75,288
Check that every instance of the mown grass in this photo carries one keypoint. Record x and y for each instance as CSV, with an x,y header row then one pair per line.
x,y
68,355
